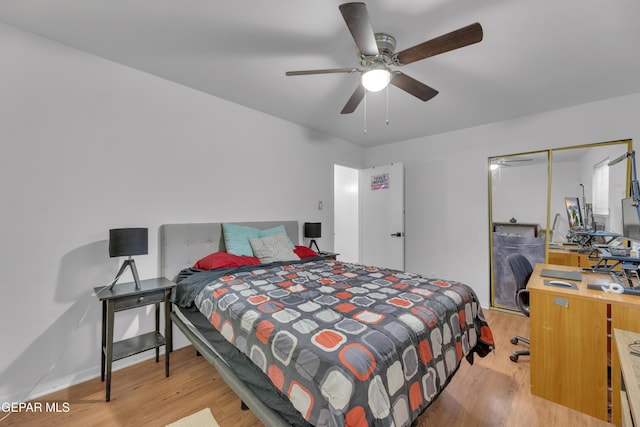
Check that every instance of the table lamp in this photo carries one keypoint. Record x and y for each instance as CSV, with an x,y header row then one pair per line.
x,y
313,230
128,242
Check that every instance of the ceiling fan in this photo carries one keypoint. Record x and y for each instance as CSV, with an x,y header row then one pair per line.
x,y
507,162
376,55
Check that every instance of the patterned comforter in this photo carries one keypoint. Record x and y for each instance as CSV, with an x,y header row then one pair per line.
x,y
349,345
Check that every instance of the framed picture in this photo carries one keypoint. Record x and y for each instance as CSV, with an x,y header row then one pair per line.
x,y
379,182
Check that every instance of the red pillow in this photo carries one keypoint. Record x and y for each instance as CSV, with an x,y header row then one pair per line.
x,y
304,252
224,260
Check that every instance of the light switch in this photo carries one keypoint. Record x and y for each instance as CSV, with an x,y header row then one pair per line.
x,y
320,205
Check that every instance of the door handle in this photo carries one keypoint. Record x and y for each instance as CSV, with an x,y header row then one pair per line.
x,y
398,234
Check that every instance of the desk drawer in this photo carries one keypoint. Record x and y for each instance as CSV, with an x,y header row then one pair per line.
x,y
138,300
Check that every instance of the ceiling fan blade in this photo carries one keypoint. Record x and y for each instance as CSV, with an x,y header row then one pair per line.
x,y
413,86
326,71
357,19
354,101
461,37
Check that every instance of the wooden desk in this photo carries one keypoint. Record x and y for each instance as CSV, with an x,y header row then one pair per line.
x,y
572,355
570,257
630,365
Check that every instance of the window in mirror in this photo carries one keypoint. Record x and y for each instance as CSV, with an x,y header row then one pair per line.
x,y
601,188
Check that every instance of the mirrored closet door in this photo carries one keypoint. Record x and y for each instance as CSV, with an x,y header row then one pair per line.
x,y
536,199
518,201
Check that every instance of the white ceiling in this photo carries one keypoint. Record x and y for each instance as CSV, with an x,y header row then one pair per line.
x,y
535,56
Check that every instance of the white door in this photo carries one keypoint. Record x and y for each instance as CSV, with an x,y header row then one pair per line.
x,y
345,213
382,216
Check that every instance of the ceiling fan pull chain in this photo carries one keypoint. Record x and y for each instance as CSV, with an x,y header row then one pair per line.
x,y
365,112
387,105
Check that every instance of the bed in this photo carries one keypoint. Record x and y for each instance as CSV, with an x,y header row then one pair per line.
x,y
315,341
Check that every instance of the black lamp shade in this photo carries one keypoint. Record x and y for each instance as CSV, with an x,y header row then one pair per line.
x,y
128,242
312,230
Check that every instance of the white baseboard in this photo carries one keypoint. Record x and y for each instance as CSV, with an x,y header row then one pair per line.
x,y
62,383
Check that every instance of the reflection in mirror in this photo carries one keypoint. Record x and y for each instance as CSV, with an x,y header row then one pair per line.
x,y
584,180
526,211
518,203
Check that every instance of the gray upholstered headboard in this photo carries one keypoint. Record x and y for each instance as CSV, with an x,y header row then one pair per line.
x,y
181,245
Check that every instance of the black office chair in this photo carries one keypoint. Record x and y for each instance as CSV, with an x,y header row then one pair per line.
x,y
522,269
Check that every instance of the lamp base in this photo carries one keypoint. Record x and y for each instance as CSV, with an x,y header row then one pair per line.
x,y
313,242
127,263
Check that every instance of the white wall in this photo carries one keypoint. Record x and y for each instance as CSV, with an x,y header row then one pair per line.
x,y
89,145
447,221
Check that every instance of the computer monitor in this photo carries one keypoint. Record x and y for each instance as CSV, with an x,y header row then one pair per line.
x,y
630,220
574,214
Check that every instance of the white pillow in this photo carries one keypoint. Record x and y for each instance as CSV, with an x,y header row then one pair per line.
x,y
273,248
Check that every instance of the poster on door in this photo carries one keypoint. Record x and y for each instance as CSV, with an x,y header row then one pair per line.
x,y
379,182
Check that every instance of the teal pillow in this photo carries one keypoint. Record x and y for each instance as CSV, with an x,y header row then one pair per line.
x,y
236,237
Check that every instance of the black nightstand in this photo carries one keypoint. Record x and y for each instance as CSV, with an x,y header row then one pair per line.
x,y
328,255
125,296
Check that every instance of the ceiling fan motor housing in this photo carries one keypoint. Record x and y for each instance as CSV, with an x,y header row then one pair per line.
x,y
386,47
386,44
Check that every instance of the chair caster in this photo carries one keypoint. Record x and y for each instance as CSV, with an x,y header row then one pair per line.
x,y
514,340
513,357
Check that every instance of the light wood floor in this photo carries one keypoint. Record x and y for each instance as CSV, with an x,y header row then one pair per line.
x,y
492,392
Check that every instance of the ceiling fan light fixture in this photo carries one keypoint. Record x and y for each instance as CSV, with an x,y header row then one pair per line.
x,y
376,79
